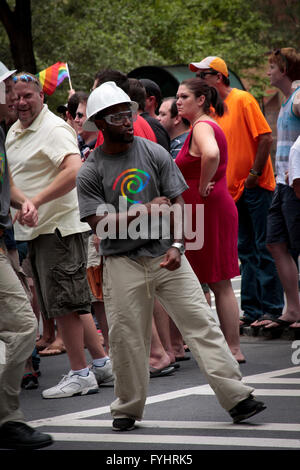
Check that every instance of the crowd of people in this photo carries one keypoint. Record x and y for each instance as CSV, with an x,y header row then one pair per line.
x,y
81,261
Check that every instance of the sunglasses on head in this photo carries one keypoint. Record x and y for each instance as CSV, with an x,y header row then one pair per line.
x,y
25,78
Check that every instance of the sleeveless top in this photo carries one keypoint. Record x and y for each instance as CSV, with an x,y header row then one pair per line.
x,y
288,129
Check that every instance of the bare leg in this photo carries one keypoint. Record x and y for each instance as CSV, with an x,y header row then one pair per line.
x,y
228,313
48,335
72,331
91,338
100,314
162,322
177,340
288,275
158,356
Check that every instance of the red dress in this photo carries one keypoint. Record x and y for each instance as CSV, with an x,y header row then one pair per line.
x,y
217,260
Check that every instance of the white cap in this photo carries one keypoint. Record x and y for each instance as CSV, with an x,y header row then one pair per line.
x,y
211,62
106,95
4,72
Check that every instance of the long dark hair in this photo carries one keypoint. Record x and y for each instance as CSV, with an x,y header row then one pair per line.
x,y
199,87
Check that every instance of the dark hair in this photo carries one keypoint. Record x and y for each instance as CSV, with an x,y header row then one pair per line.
x,y
152,89
74,100
174,111
110,75
137,92
199,87
288,61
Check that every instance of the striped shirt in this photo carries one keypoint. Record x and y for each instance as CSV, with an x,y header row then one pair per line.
x,y
288,130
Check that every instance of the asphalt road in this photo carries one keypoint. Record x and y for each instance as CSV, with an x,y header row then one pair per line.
x,y
182,416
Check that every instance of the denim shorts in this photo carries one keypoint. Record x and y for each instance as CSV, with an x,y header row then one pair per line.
x,y
284,219
59,270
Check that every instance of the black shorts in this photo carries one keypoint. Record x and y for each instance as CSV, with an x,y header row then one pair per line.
x,y
59,270
284,219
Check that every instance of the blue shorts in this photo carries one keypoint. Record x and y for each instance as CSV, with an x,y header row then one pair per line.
x,y
284,219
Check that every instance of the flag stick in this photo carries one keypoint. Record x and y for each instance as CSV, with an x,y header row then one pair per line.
x,y
71,88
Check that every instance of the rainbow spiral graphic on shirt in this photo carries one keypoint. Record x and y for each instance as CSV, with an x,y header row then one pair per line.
x,y
132,181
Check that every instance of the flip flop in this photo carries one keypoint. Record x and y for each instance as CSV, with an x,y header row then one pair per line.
x,y
281,324
161,372
265,316
52,351
175,365
183,358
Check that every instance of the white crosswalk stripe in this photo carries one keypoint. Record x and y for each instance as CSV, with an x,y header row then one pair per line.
x,y
265,435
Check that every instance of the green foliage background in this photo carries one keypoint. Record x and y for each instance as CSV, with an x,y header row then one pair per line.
x,y
124,34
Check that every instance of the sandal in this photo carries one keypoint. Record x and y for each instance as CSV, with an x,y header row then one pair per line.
x,y
246,321
265,316
281,324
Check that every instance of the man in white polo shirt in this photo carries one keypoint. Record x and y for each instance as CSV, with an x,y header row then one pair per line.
x,y
44,159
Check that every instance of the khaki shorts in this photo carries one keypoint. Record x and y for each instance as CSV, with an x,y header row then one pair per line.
x,y
59,269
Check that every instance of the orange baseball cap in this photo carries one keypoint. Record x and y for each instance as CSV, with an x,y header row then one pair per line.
x,y
210,62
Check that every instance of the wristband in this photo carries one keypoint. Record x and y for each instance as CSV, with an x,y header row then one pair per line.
x,y
255,173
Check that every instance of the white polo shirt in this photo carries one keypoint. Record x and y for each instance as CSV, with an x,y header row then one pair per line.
x,y
34,155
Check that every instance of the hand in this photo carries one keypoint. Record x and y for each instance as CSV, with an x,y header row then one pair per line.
x,y
286,177
159,204
172,259
96,241
27,215
206,192
251,181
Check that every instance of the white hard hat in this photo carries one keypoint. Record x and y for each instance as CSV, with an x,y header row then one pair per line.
x,y
4,72
106,95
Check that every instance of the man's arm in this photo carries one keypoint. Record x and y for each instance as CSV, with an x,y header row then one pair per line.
x,y
261,158
296,104
172,259
124,218
296,187
63,183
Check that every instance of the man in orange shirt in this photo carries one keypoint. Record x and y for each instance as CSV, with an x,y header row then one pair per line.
x,y
251,183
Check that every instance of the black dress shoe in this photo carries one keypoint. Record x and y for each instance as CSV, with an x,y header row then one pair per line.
x,y
17,435
246,408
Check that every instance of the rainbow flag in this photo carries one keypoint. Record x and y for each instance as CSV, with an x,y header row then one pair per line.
x,y
53,76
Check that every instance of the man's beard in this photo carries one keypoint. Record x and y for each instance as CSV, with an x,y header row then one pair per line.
x,y
125,137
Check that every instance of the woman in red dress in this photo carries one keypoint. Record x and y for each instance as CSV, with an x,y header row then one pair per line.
x,y
202,161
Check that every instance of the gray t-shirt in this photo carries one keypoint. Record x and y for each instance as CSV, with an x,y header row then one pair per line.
x,y
5,221
137,176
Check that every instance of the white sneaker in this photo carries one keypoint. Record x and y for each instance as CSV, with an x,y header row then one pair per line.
x,y
104,374
72,384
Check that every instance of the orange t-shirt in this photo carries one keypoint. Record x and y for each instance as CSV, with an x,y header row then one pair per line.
x,y
242,123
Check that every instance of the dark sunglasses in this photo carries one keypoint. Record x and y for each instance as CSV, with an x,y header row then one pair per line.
x,y
203,74
79,115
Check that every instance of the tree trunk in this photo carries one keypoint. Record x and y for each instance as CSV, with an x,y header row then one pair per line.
x,y
17,24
